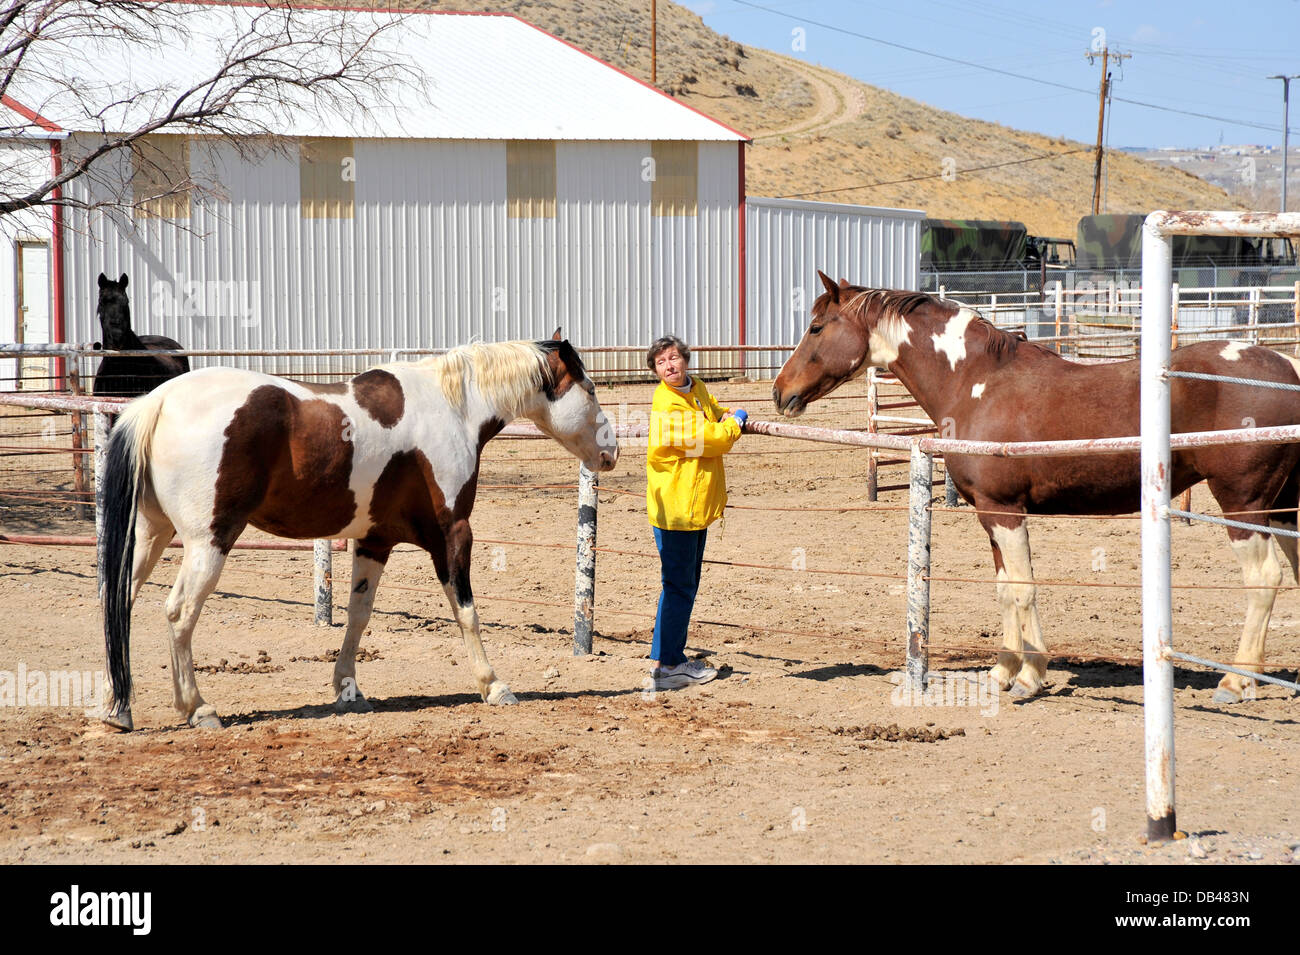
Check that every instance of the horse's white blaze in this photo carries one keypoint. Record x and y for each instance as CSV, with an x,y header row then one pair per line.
x,y
1232,350
977,391
571,413
887,338
952,341
576,420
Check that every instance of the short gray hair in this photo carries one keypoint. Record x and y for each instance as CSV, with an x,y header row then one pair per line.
x,y
665,343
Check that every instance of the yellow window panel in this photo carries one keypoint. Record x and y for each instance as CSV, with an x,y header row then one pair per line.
x,y
530,178
676,185
326,178
160,177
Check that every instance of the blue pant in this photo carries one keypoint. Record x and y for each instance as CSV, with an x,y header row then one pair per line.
x,y
681,555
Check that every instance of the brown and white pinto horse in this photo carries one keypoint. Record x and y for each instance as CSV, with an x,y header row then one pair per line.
x,y
985,384
389,457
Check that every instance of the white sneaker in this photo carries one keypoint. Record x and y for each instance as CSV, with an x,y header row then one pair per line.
x,y
690,673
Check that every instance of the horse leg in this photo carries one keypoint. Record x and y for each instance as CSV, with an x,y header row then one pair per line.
x,y
367,566
1009,657
453,572
1260,568
1287,522
1284,518
200,570
153,532
1022,664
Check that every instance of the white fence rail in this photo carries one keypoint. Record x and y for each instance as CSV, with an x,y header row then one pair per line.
x,y
1157,605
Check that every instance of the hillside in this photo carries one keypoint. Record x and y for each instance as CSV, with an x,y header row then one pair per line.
x,y
815,129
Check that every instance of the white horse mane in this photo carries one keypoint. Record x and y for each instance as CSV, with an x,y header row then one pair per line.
x,y
506,374
890,325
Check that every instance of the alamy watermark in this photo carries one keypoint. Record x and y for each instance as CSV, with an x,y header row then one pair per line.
x,y
65,689
947,689
181,300
129,909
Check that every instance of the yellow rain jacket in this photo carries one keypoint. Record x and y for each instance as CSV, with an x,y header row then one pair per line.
x,y
686,489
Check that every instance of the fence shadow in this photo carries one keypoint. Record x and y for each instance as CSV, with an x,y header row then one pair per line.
x,y
410,704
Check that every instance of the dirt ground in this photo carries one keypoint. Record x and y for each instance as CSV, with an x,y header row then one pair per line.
x,y
801,752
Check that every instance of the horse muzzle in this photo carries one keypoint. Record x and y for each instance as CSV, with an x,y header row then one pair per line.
x,y
791,407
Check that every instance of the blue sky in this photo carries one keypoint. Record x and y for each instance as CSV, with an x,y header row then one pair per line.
x,y
1189,55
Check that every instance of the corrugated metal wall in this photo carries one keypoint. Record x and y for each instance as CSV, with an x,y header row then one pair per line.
x,y
429,260
788,240
24,164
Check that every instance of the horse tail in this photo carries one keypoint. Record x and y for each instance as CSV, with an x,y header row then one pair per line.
x,y
126,464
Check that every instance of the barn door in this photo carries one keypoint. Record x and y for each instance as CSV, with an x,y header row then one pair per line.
x,y
34,374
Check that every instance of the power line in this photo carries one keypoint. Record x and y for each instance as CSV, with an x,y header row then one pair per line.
x,y
993,69
940,175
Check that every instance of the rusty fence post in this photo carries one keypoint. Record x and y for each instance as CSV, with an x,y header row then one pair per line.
x,y
80,466
1157,604
584,591
103,425
873,408
323,555
918,569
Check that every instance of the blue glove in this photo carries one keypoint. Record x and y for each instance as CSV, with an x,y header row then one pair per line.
x,y
741,416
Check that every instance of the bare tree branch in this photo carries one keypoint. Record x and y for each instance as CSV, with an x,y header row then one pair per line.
x,y
281,64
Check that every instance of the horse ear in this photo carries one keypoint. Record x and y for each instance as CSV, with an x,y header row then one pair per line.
x,y
830,285
123,282
103,281
557,337
844,283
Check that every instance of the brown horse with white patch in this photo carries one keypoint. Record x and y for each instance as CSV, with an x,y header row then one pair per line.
x,y
985,384
389,457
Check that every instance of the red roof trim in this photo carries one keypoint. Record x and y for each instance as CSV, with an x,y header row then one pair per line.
x,y
479,13
634,79
30,114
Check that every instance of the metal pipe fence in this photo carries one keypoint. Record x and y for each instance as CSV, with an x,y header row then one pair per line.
x,y
918,576
1158,309
1156,333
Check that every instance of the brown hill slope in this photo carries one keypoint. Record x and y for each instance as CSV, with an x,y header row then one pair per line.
x,y
816,130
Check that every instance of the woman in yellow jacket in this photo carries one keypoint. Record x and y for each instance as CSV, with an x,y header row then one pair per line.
x,y
686,491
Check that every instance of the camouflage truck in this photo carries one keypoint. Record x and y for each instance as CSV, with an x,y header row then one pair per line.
x,y
978,259
972,245
1115,242
1108,243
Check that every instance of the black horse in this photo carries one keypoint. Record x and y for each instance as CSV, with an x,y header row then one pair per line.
x,y
128,376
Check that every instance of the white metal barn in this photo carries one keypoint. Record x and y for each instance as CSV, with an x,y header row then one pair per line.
x,y
527,186
25,284
788,240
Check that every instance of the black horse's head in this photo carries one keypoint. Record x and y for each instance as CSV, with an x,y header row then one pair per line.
x,y
114,311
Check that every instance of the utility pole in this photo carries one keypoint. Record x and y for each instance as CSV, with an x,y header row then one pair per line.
x,y
1106,56
1286,103
654,42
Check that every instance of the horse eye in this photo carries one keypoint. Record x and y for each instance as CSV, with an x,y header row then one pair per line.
x,y
814,329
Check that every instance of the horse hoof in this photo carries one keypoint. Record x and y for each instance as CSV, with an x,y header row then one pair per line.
x,y
358,704
205,719
1001,678
1022,692
1222,695
502,697
120,720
